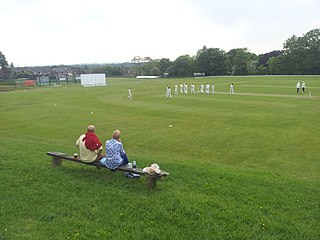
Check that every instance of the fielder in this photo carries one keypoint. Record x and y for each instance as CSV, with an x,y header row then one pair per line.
x,y
231,88
298,87
181,88
207,88
168,93
129,94
201,88
303,86
192,88
176,89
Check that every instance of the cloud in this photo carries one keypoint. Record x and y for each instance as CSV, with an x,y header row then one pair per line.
x,y
45,32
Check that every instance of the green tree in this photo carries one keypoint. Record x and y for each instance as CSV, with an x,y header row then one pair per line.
x,y
110,71
274,65
5,70
164,64
262,67
264,58
212,61
139,62
302,54
183,66
151,68
242,61
261,70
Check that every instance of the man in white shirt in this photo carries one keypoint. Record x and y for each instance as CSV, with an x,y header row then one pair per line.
x,y
192,88
168,93
185,88
207,88
303,86
181,88
129,94
231,88
298,86
176,89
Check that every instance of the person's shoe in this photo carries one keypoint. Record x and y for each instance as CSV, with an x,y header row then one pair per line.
x,y
135,175
131,175
127,174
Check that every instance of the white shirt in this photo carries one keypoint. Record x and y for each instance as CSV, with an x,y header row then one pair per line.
x,y
207,88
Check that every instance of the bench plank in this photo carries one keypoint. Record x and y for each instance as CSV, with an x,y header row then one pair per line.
x,y
151,178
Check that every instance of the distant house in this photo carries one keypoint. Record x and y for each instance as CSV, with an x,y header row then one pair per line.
x,y
56,73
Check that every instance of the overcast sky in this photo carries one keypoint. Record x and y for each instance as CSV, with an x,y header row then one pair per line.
x,y
52,32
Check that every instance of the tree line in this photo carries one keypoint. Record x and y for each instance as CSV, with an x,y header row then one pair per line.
x,y
300,55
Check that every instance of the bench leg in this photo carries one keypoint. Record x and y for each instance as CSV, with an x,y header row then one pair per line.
x,y
152,181
56,161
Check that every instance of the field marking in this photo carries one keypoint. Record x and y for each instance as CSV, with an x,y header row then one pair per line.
x,y
302,96
272,86
266,86
306,96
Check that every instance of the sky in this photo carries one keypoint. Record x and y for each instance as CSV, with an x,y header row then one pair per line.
x,y
53,32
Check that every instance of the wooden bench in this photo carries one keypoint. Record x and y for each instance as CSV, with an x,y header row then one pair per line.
x,y
57,158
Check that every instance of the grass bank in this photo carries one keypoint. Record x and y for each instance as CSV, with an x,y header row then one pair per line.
x,y
243,166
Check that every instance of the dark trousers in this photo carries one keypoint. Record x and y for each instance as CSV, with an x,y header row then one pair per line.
x,y
125,159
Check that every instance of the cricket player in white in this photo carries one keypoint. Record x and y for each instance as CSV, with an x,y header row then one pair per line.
x,y
298,87
212,88
175,89
231,88
168,93
181,88
129,94
192,88
201,88
185,88
303,86
207,88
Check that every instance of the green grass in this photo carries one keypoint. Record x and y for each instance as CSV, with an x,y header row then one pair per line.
x,y
244,166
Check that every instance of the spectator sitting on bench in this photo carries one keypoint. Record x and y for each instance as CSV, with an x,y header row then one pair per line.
x,y
115,154
89,146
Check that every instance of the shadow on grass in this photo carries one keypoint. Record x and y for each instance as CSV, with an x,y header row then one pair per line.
x,y
102,178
